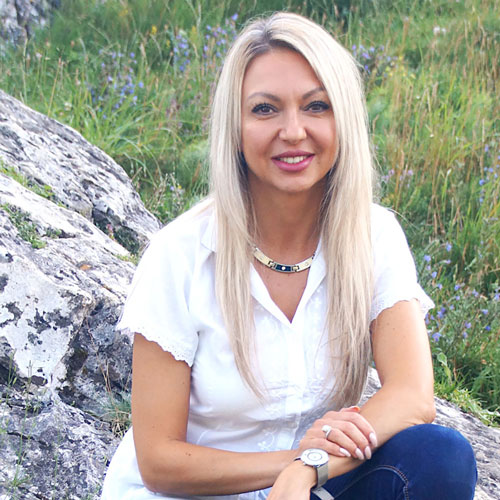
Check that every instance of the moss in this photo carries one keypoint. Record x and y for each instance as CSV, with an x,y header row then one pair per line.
x,y
43,190
127,239
25,228
129,258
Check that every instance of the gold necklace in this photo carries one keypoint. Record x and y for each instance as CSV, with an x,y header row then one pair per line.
x,y
282,268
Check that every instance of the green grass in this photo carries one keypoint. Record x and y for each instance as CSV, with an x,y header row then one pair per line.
x,y
25,228
42,190
135,79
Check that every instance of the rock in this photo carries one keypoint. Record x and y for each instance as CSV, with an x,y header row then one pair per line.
x,y
69,218
50,449
63,166
484,440
19,18
70,225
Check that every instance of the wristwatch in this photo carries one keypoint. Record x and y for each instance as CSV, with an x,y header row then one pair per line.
x,y
314,457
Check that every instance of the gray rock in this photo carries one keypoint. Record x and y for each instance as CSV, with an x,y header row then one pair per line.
x,y
484,440
50,449
19,18
63,281
60,162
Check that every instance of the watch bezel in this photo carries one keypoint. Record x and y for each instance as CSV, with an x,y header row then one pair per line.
x,y
314,462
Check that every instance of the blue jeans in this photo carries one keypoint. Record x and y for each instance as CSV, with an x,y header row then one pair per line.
x,y
424,462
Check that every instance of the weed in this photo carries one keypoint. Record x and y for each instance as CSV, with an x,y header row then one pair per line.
x,y
129,258
43,190
118,412
26,229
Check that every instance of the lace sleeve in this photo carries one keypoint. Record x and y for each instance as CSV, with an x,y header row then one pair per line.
x,y
157,305
395,275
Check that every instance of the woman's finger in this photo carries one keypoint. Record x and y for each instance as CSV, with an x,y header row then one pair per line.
x,y
352,415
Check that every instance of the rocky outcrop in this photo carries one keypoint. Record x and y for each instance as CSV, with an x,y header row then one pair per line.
x,y
70,225
19,18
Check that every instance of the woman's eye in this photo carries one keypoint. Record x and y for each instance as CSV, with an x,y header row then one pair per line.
x,y
318,106
263,109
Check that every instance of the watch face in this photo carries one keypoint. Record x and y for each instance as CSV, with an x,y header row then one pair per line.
x,y
314,457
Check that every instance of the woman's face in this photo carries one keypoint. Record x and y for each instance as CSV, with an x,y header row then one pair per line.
x,y
287,125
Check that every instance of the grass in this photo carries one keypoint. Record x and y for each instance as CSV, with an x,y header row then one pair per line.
x,y
135,79
43,190
25,228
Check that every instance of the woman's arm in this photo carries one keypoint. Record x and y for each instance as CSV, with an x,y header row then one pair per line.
x,y
160,406
402,357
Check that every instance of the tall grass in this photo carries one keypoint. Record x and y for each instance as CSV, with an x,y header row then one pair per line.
x,y
135,78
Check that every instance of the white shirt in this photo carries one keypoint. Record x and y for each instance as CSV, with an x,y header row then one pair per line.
x,y
172,302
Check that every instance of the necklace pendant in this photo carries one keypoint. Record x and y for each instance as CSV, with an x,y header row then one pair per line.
x,y
282,268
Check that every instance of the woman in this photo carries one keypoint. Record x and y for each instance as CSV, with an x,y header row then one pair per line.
x,y
256,313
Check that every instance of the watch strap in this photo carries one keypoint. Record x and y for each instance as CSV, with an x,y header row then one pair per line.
x,y
322,493
322,472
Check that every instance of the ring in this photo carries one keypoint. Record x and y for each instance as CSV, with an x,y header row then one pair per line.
x,y
326,429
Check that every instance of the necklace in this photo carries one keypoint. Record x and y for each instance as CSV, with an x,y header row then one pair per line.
x,y
282,268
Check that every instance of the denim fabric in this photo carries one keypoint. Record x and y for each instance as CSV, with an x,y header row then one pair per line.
x,y
424,462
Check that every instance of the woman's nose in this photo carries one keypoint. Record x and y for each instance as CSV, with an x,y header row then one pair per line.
x,y
292,129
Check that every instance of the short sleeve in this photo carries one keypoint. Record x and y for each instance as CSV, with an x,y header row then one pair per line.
x,y
395,276
157,304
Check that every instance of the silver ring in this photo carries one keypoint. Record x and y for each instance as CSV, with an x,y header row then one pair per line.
x,y
326,429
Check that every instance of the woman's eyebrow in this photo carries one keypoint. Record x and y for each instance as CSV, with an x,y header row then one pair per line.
x,y
274,98
312,92
271,97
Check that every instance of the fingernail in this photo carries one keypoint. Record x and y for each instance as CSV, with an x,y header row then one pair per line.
x,y
359,454
373,439
368,453
356,408
345,452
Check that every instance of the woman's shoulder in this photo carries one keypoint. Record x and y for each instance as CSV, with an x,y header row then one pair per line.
x,y
189,231
383,222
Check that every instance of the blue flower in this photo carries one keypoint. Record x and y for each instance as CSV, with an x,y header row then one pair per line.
x,y
427,258
448,247
436,336
434,274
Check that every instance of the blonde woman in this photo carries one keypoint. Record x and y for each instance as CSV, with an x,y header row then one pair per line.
x,y
256,313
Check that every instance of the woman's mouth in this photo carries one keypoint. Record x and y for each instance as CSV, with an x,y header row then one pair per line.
x,y
292,162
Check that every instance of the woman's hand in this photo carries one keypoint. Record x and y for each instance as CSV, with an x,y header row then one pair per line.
x,y
294,482
349,435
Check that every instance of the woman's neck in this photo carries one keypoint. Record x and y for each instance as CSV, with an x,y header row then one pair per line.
x,y
287,225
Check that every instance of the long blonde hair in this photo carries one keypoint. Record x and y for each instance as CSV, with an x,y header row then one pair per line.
x,y
345,212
